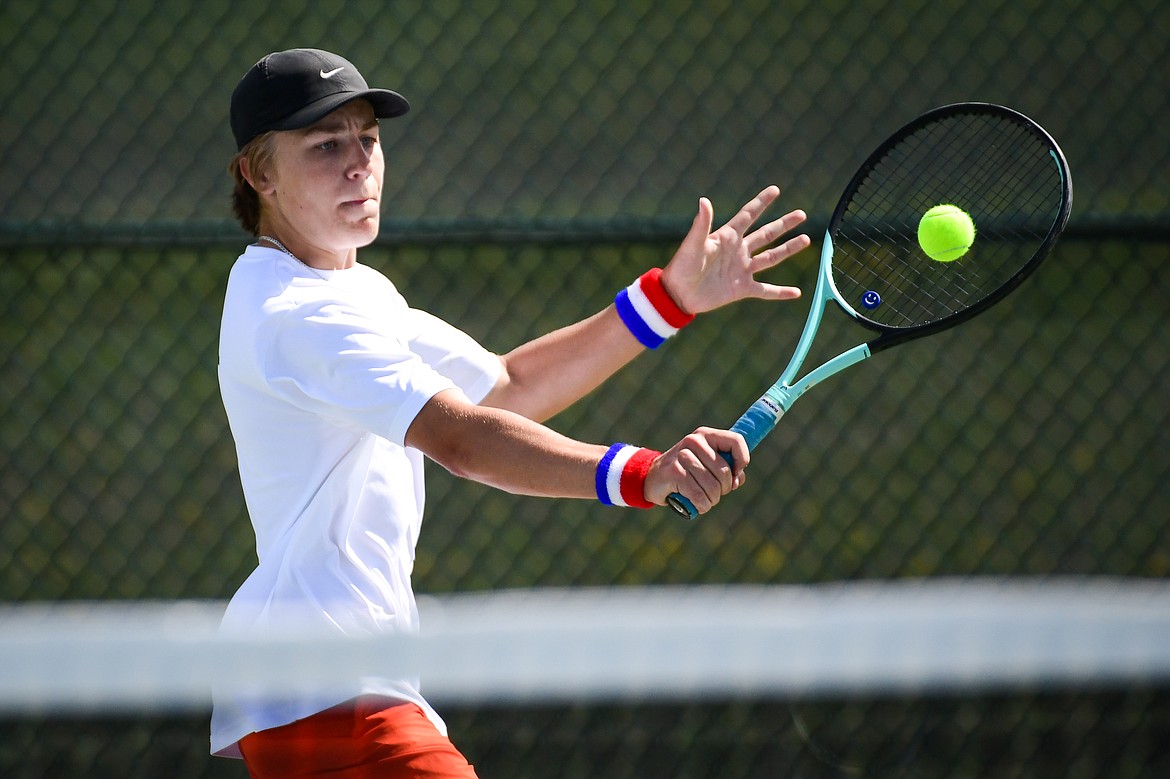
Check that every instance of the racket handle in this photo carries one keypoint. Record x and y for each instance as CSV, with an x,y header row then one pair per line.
x,y
759,420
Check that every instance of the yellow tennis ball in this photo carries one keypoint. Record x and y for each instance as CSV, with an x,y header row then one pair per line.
x,y
945,233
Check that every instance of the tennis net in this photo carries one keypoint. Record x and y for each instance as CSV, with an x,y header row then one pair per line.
x,y
853,675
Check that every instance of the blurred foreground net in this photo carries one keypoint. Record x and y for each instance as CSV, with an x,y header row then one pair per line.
x,y
955,677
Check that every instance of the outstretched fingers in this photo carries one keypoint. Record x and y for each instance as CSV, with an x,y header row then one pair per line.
x,y
778,254
768,234
747,216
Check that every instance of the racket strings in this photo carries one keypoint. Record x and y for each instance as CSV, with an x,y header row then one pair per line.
x,y
923,292
1000,171
934,294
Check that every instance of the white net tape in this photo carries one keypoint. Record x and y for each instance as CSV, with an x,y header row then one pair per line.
x,y
614,644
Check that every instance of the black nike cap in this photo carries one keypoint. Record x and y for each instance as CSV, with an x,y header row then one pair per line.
x,y
288,90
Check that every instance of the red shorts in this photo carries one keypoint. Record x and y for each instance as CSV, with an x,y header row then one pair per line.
x,y
364,738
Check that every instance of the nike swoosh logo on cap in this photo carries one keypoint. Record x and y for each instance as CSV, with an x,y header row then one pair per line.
x,y
331,73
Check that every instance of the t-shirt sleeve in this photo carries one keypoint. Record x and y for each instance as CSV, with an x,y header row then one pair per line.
x,y
454,354
346,363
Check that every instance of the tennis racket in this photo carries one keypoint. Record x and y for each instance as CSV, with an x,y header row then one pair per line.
x,y
996,164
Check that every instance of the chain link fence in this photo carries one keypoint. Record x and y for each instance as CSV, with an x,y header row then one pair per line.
x,y
556,150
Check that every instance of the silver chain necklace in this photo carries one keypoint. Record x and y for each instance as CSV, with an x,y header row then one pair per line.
x,y
283,248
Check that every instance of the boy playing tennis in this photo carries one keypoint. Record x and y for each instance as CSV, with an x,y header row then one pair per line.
x,y
335,390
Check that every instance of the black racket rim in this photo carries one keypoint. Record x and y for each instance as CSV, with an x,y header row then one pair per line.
x,y
890,335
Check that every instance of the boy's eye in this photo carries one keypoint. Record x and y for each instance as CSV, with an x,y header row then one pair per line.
x,y
327,145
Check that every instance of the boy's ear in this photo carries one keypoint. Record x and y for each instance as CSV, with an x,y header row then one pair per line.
x,y
260,181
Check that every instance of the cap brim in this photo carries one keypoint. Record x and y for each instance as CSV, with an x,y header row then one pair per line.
x,y
386,104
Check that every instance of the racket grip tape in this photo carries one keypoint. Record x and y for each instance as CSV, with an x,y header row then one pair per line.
x,y
759,420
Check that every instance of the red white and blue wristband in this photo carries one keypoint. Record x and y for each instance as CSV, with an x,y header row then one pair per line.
x,y
648,310
621,476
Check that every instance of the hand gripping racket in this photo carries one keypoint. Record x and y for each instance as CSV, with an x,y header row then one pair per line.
x,y
996,164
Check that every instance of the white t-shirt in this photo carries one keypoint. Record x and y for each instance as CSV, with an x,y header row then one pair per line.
x,y
321,374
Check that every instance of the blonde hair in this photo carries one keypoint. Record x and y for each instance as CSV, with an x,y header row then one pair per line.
x,y
260,153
